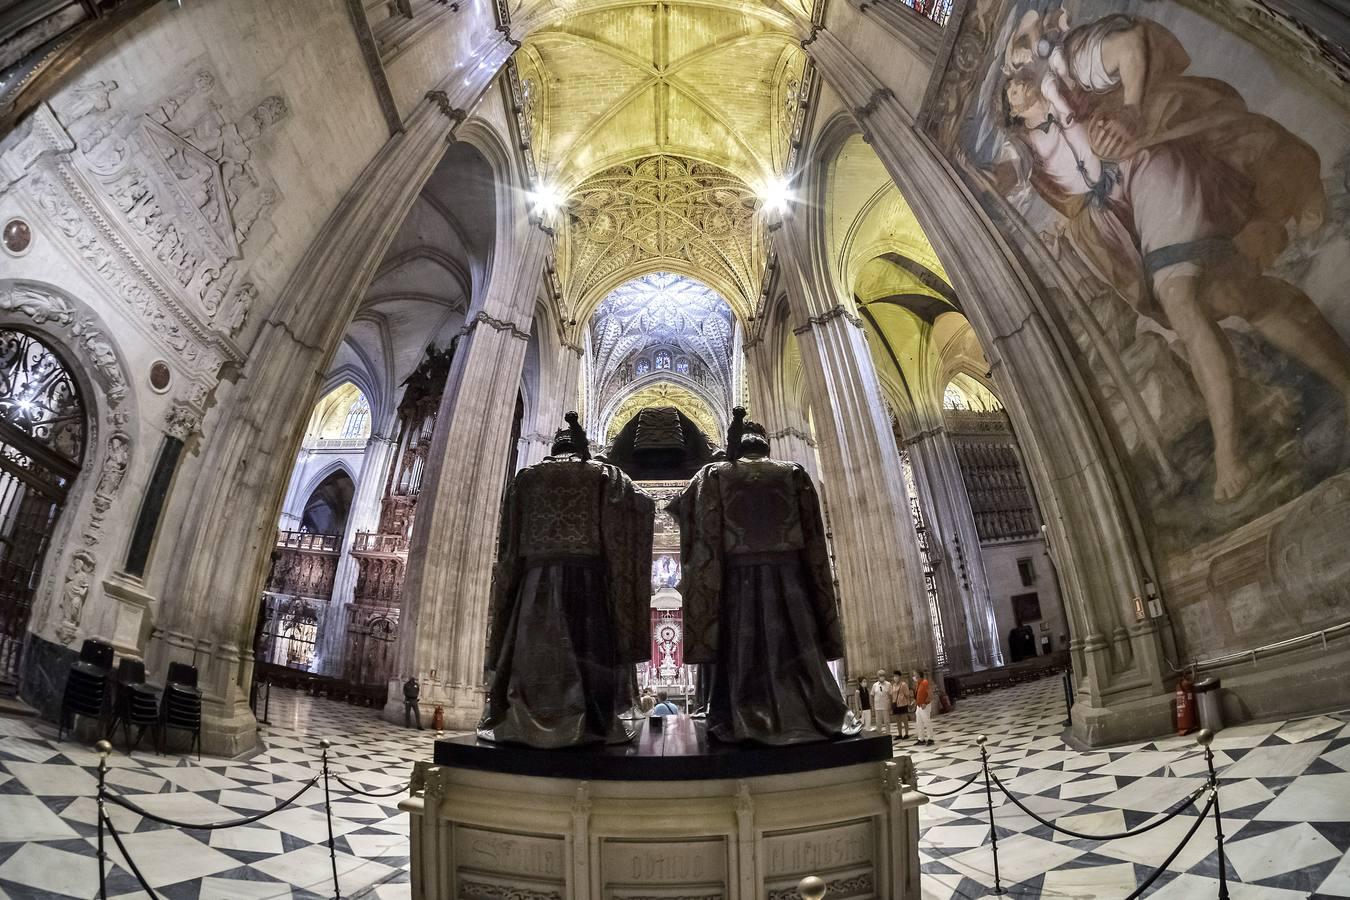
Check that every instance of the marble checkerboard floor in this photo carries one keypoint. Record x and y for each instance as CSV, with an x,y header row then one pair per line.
x,y
1285,790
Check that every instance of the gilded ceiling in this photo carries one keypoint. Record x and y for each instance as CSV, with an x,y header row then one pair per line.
x,y
666,393
662,212
711,81
661,122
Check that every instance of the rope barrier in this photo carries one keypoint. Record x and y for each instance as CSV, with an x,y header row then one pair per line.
x,y
990,780
951,793
215,826
1199,820
1167,815
105,821
356,790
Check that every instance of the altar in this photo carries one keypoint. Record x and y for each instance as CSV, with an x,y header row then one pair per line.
x,y
671,816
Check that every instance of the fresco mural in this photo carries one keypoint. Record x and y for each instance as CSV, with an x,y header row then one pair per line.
x,y
1185,199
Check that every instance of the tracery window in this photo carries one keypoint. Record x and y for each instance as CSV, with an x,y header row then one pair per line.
x,y
42,435
644,366
358,419
682,365
662,359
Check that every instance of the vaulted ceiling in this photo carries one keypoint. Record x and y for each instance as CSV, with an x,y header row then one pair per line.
x,y
712,81
662,122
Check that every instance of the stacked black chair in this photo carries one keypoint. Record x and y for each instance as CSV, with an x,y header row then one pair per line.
x,y
135,702
182,705
86,691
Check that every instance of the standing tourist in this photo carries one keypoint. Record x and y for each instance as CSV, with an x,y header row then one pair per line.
x,y
881,702
864,703
902,698
923,705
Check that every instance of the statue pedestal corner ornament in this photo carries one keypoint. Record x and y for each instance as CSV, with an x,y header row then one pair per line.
x,y
672,815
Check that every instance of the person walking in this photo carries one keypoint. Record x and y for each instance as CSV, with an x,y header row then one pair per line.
x,y
881,702
923,705
902,698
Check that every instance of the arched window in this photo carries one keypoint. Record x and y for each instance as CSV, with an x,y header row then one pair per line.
x,y
643,366
662,359
953,398
42,435
358,419
682,365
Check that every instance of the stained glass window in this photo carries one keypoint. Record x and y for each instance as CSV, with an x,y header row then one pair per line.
x,y
682,365
662,359
644,366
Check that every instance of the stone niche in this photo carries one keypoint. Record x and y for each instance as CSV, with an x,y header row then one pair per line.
x,y
479,834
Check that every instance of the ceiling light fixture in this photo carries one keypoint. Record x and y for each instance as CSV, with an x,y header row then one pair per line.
x,y
547,199
776,195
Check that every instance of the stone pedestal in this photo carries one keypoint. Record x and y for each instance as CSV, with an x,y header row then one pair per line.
x,y
623,823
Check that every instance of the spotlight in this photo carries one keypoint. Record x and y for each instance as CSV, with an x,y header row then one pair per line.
x,y
547,199
776,195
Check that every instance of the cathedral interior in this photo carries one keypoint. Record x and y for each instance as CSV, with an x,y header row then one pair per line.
x,y
1039,306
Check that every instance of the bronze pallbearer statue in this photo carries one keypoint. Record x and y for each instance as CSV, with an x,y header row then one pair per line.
x,y
759,600
571,596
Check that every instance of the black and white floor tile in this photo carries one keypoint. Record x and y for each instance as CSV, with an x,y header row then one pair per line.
x,y
47,815
1285,790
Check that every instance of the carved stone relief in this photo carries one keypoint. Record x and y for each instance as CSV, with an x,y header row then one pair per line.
x,y
100,361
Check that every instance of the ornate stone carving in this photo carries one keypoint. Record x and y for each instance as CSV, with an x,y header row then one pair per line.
x,y
179,185
858,885
44,308
442,101
664,208
484,319
74,593
833,312
183,420
471,888
115,462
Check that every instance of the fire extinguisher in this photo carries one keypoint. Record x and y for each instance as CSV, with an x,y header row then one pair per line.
x,y
1185,706
438,718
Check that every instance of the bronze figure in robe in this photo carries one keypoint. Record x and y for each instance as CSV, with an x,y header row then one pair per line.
x,y
759,597
571,597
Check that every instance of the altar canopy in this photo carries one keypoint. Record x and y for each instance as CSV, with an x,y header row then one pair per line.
x,y
571,595
759,601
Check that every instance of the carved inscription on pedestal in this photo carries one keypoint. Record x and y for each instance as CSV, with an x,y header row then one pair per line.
x,y
802,853
508,854
629,869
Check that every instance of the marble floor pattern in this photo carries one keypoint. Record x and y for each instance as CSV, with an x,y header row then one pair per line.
x,y
1284,790
1285,793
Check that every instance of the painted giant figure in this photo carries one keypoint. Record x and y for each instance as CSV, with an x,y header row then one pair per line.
x,y
759,599
571,592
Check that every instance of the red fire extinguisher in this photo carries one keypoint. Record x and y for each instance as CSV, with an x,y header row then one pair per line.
x,y
1185,706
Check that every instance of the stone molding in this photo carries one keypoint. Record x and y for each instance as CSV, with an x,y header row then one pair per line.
x,y
451,112
483,318
792,432
833,312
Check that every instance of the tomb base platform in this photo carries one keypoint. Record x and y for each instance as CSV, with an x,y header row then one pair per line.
x,y
671,816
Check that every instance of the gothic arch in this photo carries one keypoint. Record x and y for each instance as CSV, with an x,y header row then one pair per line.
x,y
85,344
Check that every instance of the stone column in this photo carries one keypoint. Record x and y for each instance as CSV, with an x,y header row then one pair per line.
x,y
560,370
969,625
886,621
365,516
443,625
787,426
250,441
1081,485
